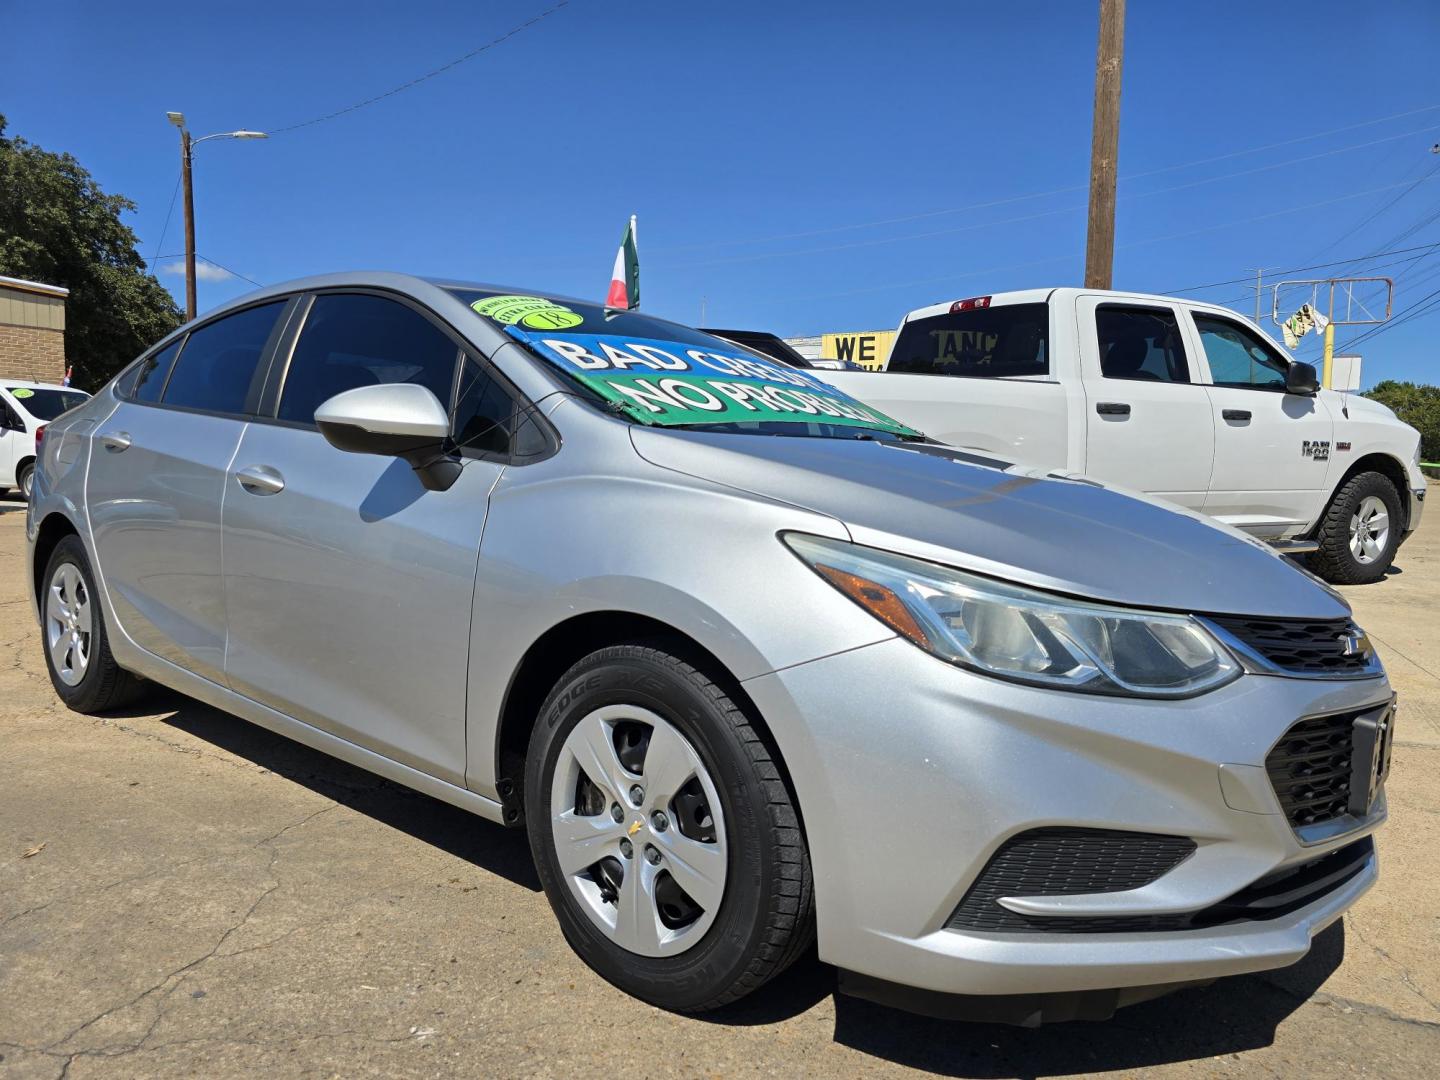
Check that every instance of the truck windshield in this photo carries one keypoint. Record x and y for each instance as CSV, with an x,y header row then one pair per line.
x,y
978,343
45,404
661,373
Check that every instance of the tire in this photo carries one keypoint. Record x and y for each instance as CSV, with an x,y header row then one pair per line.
x,y
25,479
1350,553
82,669
746,931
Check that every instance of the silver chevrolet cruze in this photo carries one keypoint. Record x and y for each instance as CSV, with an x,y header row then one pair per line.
x,y
750,661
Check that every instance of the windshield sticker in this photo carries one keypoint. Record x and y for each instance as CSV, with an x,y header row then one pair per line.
x,y
22,392
534,312
668,383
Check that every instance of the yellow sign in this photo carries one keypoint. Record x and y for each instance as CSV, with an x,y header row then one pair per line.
x,y
868,348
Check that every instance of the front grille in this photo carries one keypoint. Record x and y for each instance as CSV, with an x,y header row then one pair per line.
x,y
1272,897
1060,861
1310,769
1303,646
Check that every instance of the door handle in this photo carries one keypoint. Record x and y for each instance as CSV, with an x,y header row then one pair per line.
x,y
1235,414
1112,408
260,480
115,441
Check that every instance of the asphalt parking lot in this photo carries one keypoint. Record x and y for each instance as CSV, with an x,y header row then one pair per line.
x,y
183,894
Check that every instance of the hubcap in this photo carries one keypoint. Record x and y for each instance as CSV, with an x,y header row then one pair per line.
x,y
67,624
1369,529
661,904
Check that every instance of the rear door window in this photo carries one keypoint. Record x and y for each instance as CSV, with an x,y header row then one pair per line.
x,y
1141,344
146,379
217,366
351,340
979,343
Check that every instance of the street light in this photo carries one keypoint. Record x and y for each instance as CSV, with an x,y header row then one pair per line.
x,y
187,144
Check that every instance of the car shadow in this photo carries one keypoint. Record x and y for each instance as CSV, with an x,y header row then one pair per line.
x,y
1227,1017
484,844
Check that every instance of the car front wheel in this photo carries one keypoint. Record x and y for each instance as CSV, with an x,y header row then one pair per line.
x,y
663,832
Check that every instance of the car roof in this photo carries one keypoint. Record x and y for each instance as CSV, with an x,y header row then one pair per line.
x,y
29,384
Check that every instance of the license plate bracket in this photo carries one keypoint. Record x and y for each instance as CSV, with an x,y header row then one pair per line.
x,y
1374,740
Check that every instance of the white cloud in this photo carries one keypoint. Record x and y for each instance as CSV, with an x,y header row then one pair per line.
x,y
204,271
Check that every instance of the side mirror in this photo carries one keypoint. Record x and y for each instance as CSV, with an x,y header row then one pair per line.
x,y
393,420
1301,378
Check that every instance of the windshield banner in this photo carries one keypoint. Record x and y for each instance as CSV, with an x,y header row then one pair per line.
x,y
669,382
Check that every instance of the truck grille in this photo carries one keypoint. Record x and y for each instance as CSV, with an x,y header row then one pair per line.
x,y
1303,646
1310,769
1057,861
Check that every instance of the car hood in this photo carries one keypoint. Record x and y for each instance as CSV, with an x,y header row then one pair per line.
x,y
1062,533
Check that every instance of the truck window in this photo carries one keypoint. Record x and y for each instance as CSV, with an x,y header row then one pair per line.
x,y
1239,358
1140,343
981,343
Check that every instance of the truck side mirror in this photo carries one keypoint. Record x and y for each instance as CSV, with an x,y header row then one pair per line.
x,y
1300,378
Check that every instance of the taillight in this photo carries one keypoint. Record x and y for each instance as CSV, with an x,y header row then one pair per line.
x,y
39,434
970,304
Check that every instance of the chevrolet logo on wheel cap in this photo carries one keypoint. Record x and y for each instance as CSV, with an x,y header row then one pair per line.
x,y
635,826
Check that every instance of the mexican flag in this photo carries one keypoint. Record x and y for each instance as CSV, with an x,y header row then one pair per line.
x,y
625,278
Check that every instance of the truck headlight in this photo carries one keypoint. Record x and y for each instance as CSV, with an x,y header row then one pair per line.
x,y
1022,634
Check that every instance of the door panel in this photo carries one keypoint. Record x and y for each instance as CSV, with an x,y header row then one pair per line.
x,y
154,505
1147,427
348,588
1272,449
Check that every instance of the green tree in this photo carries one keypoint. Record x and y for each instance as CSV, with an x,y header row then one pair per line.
x,y
1419,406
58,227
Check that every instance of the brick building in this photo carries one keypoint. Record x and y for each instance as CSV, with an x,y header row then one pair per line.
x,y
32,330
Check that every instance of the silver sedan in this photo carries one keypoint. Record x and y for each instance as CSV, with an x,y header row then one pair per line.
x,y
751,662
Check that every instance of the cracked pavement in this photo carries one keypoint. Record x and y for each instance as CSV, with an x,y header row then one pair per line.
x,y
213,900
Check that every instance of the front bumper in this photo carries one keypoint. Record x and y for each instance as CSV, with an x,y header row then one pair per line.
x,y
911,773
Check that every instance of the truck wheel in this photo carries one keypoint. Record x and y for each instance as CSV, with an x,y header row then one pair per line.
x,y
1360,531
663,833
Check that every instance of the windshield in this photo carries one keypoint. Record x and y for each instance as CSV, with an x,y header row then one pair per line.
x,y
660,373
45,404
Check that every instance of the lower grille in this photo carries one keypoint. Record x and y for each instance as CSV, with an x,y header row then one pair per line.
x,y
1060,861
1271,897
1304,646
1310,769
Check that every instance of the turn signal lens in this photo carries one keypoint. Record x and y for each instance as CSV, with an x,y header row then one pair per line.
x,y
878,600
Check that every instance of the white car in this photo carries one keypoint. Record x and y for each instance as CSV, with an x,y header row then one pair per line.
x,y
1184,401
25,408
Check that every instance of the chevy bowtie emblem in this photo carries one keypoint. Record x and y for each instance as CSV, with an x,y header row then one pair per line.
x,y
635,826
1354,643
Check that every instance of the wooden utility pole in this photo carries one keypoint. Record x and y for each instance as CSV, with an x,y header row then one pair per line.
x,y
189,225
1105,146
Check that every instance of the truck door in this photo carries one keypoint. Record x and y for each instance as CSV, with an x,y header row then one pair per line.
x,y
1148,421
1272,449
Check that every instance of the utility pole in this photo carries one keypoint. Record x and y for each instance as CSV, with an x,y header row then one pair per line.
x,y
189,225
1259,270
1105,146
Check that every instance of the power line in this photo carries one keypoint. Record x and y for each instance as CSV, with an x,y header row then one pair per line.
x,y
428,75
1081,187
212,262
1356,228
1302,269
155,251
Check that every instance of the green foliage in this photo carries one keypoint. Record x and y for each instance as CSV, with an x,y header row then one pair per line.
x,y
1419,406
59,228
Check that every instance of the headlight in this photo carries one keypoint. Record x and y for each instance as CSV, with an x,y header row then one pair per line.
x,y
1021,634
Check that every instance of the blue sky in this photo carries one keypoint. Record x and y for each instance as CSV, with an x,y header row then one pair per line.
x,y
799,172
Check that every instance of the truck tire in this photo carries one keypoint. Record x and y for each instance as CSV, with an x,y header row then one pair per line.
x,y
1359,532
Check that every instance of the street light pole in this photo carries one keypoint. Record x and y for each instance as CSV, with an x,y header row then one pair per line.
x,y
187,148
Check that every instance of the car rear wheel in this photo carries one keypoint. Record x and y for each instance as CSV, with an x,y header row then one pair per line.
x,y
25,479
1360,532
665,837
77,650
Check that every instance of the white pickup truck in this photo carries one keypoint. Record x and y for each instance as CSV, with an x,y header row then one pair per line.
x,y
1181,400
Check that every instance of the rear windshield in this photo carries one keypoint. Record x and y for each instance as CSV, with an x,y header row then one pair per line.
x,y
662,373
45,404
981,343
